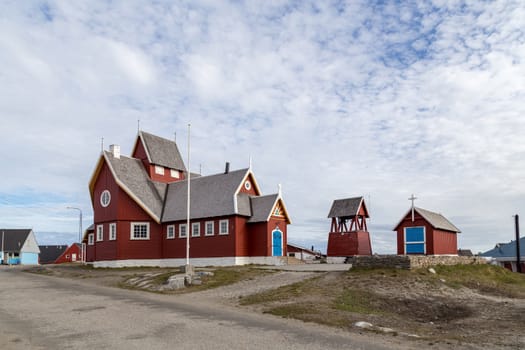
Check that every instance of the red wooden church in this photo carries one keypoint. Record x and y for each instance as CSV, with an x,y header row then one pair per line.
x,y
348,233
140,212
424,232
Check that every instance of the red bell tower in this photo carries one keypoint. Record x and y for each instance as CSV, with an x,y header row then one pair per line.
x,y
348,233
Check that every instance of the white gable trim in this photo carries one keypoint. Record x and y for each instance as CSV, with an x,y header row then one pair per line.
x,y
286,216
130,193
219,261
241,185
254,183
403,218
141,139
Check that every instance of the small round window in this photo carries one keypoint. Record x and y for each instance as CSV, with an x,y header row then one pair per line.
x,y
105,198
247,185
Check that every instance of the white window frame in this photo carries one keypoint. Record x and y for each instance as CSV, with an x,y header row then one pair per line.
x,y
132,231
206,225
105,198
221,231
181,226
91,239
174,173
100,233
159,170
170,232
424,241
113,231
195,225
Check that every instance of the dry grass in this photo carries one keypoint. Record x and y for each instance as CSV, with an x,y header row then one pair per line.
x,y
458,303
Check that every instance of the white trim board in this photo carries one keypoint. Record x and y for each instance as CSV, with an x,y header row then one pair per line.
x,y
226,261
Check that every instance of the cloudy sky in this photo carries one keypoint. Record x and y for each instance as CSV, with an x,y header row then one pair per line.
x,y
330,99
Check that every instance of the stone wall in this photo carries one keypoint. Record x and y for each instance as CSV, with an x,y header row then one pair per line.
x,y
411,261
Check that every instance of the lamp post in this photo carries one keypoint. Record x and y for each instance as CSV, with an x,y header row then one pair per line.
x,y
79,232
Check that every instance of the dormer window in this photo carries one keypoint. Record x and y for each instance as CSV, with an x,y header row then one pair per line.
x,y
159,170
174,173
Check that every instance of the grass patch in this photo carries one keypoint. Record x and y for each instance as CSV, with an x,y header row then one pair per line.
x,y
282,293
358,301
484,278
224,276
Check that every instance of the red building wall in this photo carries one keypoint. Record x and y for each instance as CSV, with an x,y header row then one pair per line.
x,y
202,246
122,210
105,181
216,245
260,236
251,190
437,241
418,221
259,244
278,222
67,255
445,242
242,238
139,248
349,244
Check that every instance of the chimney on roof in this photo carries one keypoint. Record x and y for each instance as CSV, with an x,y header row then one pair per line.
x,y
115,150
227,168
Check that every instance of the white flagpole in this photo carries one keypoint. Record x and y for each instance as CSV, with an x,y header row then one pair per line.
x,y
188,229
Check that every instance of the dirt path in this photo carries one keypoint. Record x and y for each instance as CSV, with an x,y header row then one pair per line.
x,y
443,317
231,293
46,312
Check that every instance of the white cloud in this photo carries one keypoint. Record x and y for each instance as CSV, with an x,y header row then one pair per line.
x,y
330,100
133,63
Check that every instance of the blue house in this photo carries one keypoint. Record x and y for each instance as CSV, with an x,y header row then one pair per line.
x,y
18,246
504,254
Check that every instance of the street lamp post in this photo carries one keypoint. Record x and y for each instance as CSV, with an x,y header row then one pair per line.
x,y
79,232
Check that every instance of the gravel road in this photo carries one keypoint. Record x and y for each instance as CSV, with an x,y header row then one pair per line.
x,y
43,312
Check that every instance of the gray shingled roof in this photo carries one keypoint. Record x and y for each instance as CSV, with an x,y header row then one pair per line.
x,y
211,196
49,253
437,221
345,207
243,204
14,239
131,173
162,151
262,207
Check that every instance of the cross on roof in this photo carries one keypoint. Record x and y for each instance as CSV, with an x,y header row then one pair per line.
x,y
412,198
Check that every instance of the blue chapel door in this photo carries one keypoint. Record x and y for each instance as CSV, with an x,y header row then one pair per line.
x,y
415,240
277,243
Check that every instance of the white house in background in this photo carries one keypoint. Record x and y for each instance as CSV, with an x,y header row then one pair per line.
x,y
302,253
18,246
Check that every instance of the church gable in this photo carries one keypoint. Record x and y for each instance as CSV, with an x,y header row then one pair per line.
x,y
265,207
249,185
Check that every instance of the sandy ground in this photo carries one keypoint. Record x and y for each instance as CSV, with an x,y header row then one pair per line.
x,y
47,312
497,323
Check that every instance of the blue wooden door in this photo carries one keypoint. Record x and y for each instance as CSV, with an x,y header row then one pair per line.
x,y
415,240
277,243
